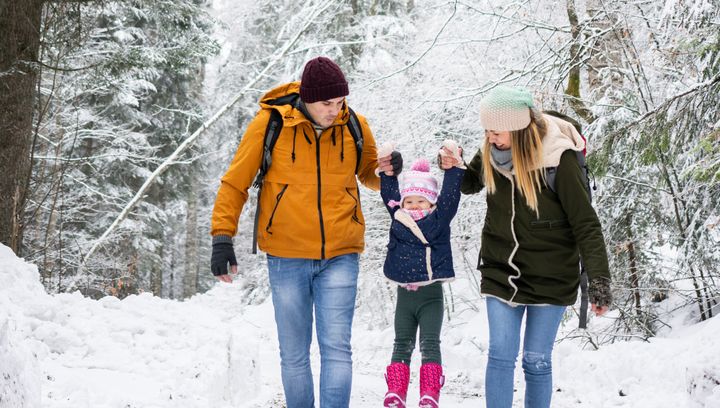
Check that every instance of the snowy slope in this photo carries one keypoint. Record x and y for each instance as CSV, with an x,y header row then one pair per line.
x,y
213,350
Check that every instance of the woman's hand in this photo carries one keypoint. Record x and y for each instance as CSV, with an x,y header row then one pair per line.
x,y
599,310
600,295
450,155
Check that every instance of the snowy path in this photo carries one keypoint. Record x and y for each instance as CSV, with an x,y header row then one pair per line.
x,y
215,351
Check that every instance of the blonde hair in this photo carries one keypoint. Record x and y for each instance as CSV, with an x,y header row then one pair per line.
x,y
527,159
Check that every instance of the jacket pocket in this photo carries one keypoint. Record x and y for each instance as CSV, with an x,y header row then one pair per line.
x,y
549,224
277,204
355,209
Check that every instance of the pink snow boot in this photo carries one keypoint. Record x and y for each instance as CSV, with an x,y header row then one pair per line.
x,y
398,378
431,380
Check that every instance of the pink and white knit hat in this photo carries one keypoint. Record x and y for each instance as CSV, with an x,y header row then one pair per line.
x,y
419,182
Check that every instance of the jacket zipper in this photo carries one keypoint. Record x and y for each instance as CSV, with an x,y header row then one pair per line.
x,y
319,189
277,203
357,202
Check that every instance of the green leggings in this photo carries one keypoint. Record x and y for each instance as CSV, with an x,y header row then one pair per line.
x,y
423,308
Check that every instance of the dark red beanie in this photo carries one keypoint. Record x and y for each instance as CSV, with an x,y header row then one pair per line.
x,y
322,80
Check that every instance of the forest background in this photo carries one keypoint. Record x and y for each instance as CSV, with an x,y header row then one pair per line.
x,y
118,119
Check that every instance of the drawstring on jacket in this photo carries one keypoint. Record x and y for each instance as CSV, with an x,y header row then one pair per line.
x,y
342,143
333,138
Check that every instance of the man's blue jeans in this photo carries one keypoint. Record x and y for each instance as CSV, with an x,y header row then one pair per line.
x,y
329,287
541,327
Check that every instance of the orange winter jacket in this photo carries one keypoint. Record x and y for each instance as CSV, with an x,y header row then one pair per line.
x,y
310,203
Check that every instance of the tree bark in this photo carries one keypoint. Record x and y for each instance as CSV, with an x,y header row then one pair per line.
x,y
190,277
573,86
604,68
19,48
156,276
634,279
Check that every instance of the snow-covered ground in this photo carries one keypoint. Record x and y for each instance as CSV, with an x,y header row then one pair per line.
x,y
215,351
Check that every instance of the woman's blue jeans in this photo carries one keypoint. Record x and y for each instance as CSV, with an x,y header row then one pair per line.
x,y
326,287
541,327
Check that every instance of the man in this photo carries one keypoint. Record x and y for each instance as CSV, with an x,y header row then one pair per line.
x,y
310,224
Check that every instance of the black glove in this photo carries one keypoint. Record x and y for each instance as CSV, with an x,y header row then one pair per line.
x,y
222,254
599,292
396,162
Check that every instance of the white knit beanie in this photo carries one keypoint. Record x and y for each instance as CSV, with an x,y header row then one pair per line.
x,y
506,108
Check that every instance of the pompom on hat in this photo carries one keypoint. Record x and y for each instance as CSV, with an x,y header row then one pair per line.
x,y
322,80
505,108
419,182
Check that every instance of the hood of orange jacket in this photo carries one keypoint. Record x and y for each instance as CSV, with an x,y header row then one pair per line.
x,y
310,201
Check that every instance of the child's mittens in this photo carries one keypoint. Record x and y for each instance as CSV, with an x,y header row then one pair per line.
x,y
385,150
454,150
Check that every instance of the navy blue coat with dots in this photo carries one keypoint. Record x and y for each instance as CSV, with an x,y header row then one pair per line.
x,y
405,261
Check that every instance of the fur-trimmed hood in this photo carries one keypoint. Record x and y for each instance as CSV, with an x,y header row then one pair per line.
x,y
561,136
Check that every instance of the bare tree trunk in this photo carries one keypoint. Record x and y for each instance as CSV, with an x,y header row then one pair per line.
x,y
156,277
354,19
606,58
19,47
190,277
162,236
634,279
573,86
171,292
55,174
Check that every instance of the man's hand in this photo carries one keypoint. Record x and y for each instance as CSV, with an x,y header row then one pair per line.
x,y
222,254
391,165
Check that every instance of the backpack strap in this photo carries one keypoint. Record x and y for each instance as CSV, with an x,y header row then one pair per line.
x,y
272,132
583,273
583,296
356,132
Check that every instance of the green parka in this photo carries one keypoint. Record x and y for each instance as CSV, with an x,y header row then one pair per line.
x,y
529,260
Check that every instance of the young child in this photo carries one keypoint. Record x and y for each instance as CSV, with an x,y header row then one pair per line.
x,y
419,259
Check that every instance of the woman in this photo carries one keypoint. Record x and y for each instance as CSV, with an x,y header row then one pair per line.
x,y
532,239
